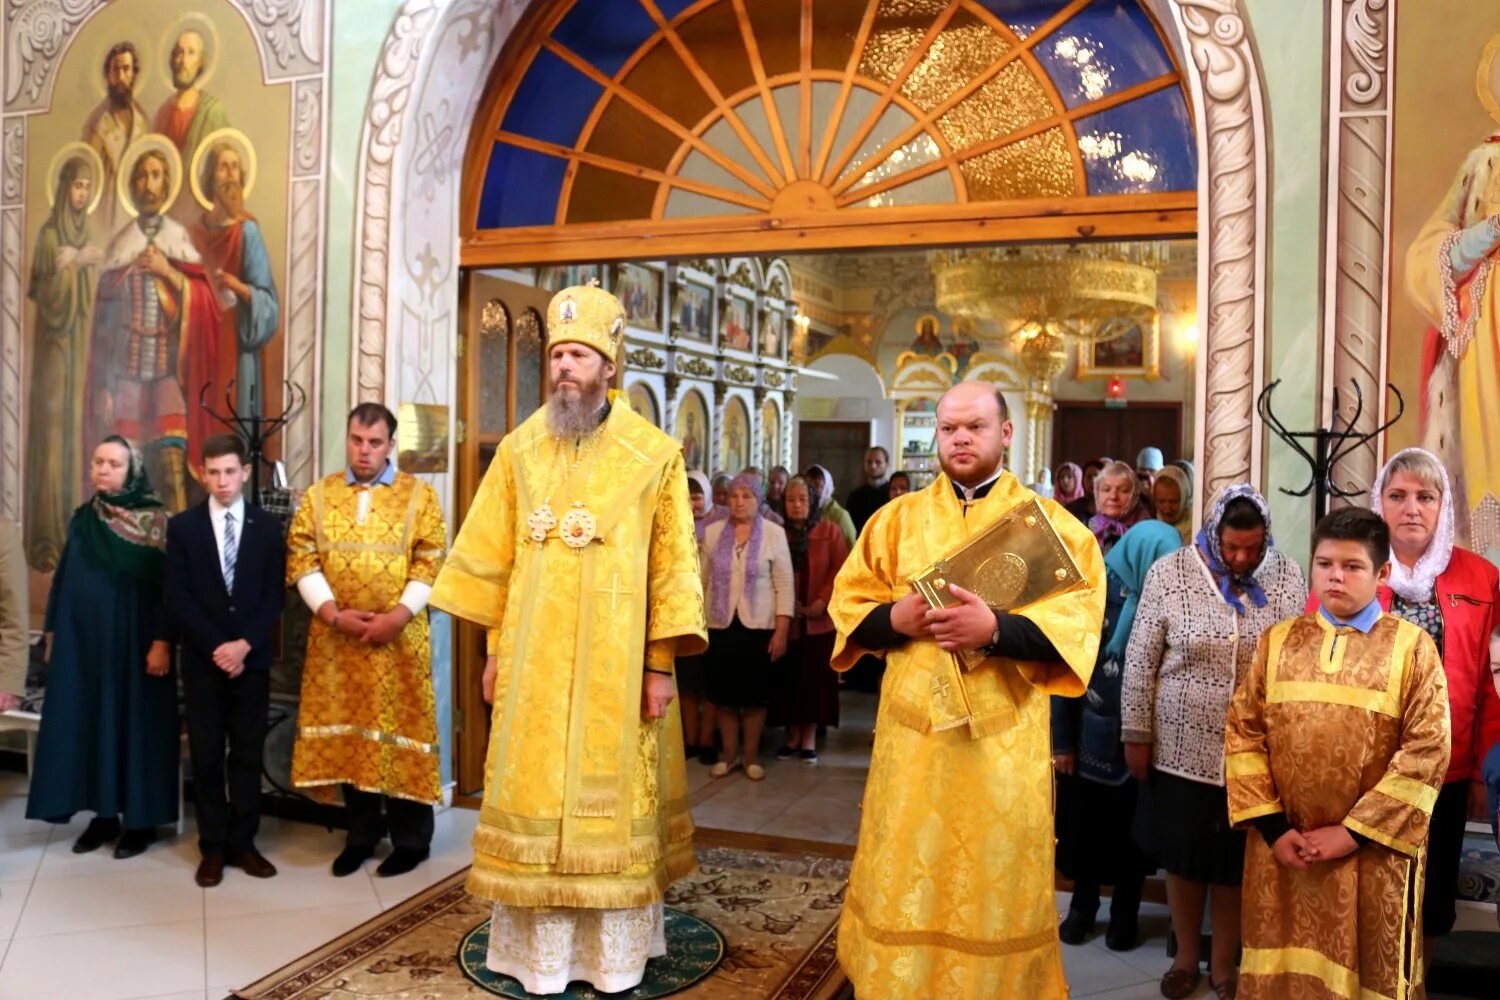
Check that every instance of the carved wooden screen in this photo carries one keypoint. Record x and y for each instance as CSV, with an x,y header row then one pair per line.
x,y
645,125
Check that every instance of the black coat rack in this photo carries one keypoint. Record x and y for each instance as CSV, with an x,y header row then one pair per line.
x,y
1330,445
257,431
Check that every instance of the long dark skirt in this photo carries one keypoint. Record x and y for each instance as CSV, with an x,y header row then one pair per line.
x,y
807,688
1186,826
110,739
738,665
1094,842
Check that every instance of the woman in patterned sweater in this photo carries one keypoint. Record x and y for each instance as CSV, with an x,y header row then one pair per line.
x,y
1202,611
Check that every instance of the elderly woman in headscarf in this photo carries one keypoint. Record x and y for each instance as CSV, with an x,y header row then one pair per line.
x,y
109,734
822,480
701,495
1173,493
750,597
1083,507
1453,595
1200,614
807,691
1096,799
1117,504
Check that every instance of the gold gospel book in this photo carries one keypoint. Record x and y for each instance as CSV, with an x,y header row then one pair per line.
x,y
1015,562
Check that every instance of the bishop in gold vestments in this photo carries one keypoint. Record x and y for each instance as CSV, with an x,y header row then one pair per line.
x,y
580,558
1338,725
951,893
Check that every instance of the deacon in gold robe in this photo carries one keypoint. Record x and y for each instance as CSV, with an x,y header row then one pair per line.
x,y
363,551
951,893
579,556
1337,744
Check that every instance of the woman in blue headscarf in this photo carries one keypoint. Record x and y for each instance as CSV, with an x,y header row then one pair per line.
x,y
1095,796
1200,615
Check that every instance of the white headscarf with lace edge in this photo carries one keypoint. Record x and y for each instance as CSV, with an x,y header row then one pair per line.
x,y
1416,583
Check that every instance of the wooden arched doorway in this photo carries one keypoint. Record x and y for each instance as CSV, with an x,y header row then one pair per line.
x,y
687,128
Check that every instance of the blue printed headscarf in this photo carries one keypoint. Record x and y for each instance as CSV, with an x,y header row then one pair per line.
x,y
1129,561
1208,547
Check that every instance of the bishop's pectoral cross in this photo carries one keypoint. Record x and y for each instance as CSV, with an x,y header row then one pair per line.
x,y
614,592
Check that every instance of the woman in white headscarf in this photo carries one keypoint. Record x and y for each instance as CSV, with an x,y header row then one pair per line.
x,y
1453,595
832,512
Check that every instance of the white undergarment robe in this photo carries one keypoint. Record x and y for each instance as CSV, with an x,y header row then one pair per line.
x,y
546,948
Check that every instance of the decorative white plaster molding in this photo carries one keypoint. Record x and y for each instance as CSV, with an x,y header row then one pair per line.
x,y
1357,228
1232,194
36,35
12,222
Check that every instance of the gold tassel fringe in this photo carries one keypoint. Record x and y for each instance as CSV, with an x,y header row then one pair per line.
x,y
597,803
907,715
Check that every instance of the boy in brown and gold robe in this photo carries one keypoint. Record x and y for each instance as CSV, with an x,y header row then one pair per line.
x,y
1337,744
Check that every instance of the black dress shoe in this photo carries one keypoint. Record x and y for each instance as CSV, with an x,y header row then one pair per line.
x,y
1077,925
252,863
133,842
401,861
1123,931
350,859
99,832
210,871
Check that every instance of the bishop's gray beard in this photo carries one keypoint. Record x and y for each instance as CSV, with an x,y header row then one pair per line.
x,y
574,418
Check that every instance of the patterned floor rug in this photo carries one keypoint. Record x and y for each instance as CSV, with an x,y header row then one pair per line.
x,y
774,904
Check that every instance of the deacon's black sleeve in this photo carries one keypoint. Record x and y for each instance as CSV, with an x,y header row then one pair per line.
x,y
875,632
1021,639
1272,827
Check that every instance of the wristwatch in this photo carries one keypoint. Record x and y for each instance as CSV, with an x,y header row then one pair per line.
x,y
994,639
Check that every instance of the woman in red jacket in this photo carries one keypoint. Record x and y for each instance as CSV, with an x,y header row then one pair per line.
x,y
1451,593
808,690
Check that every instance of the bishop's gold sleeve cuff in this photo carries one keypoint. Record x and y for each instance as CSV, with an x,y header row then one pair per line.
x,y
492,642
661,656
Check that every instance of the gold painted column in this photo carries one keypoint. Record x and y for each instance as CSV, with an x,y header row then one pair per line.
x,y
1043,358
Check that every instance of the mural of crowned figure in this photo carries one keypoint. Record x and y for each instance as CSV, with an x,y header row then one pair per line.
x,y
156,327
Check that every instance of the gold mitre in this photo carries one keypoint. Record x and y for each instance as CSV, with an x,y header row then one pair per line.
x,y
587,314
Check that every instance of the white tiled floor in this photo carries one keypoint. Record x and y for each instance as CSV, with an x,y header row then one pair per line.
x,y
92,927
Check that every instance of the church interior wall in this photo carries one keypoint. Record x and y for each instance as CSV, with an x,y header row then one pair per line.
x,y
1291,43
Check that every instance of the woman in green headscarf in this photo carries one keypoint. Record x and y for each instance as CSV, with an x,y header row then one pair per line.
x,y
109,740
63,279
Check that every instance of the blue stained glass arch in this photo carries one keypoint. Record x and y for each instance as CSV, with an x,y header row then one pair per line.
x,y
673,99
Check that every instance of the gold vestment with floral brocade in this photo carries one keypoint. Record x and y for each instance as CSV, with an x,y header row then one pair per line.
x,y
585,803
951,893
368,716
1333,727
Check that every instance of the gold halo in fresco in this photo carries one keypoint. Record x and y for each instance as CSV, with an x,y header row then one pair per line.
x,y
150,142
240,143
206,30
76,151
1487,80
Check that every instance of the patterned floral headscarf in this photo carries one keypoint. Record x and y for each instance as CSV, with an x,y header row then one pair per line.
x,y
1073,494
125,531
721,563
1208,546
1416,584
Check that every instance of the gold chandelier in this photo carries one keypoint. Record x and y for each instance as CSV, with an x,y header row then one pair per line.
x,y
1085,292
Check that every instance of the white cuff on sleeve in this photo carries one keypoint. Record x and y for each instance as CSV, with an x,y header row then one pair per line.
x,y
315,590
415,597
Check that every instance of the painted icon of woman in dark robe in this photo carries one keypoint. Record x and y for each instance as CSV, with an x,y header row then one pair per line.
x,y
109,739
64,277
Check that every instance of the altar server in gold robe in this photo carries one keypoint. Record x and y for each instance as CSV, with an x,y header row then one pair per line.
x,y
951,892
1337,745
579,556
363,551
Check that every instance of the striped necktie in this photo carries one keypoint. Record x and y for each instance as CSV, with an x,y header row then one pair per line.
x,y
231,549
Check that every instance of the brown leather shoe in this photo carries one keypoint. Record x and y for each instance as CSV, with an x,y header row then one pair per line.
x,y
252,863
210,871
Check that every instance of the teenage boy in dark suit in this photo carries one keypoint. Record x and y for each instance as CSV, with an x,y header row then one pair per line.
x,y
224,586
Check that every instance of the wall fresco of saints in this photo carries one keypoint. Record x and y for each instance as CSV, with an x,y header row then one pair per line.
x,y
152,282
